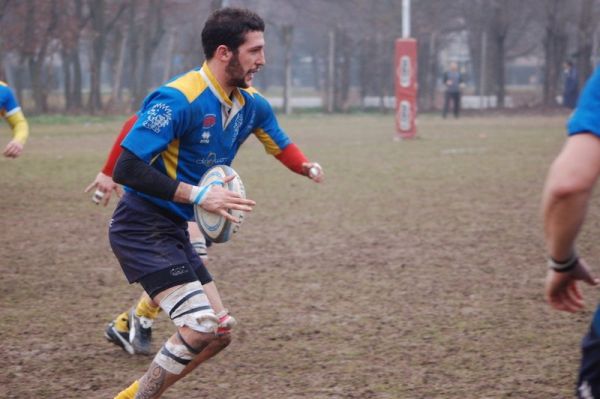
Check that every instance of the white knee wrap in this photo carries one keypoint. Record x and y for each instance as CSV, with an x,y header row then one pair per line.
x,y
189,306
199,245
173,357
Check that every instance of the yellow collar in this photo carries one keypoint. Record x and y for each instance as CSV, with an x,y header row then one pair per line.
x,y
218,91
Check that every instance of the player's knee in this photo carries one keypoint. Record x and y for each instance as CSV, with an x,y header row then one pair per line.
x,y
223,340
189,307
196,340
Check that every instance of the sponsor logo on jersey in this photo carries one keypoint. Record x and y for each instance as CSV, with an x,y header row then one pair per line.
x,y
209,121
211,159
205,137
158,116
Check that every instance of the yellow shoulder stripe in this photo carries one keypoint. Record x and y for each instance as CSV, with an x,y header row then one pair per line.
x,y
270,146
191,85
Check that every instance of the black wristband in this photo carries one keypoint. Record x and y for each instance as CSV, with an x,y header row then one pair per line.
x,y
565,266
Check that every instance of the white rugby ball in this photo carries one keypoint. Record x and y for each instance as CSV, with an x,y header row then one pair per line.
x,y
216,227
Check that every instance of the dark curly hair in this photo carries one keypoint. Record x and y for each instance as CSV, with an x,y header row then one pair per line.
x,y
228,26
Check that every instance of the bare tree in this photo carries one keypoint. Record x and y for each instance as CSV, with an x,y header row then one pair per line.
x,y
3,7
555,46
102,20
37,39
585,34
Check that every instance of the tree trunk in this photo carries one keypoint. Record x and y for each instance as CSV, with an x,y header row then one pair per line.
x,y
427,56
363,70
133,50
585,35
67,79
77,80
152,34
500,70
330,73
170,55
98,46
115,101
555,44
343,81
287,35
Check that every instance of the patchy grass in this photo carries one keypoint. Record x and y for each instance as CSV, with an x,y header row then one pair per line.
x,y
414,271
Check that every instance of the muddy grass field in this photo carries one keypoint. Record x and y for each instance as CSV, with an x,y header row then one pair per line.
x,y
414,271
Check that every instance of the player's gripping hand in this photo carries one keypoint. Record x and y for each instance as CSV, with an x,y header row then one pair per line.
x,y
104,186
219,200
562,292
13,149
314,171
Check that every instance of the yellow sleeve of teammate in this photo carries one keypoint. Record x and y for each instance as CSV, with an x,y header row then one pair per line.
x,y
19,126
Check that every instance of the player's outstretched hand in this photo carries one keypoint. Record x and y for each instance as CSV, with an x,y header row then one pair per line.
x,y
104,186
314,171
219,200
13,149
562,292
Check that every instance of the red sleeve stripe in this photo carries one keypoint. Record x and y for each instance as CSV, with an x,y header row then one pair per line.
x,y
116,149
293,158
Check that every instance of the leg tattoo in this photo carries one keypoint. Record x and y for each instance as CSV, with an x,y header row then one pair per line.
x,y
152,382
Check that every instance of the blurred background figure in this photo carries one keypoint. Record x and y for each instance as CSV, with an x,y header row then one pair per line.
x,y
453,81
570,89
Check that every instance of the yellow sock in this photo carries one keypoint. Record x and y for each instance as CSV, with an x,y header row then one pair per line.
x,y
130,392
146,308
121,322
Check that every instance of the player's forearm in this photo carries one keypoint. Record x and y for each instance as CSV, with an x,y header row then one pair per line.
x,y
567,192
292,157
563,218
19,126
133,172
183,193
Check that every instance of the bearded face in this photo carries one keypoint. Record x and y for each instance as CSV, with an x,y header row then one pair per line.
x,y
238,77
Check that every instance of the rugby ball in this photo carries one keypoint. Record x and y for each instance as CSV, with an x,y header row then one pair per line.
x,y
215,227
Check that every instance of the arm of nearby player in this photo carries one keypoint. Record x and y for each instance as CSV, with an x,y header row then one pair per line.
x,y
20,129
566,196
103,181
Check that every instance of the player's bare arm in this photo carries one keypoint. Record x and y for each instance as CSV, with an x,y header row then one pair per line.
x,y
566,195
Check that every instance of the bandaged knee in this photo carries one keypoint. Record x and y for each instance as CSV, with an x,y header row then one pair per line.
x,y
188,306
174,357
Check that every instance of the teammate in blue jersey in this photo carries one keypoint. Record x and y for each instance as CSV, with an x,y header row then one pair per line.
x,y
11,111
566,197
188,125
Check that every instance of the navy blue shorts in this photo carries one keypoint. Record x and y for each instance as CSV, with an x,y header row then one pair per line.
x,y
588,385
147,239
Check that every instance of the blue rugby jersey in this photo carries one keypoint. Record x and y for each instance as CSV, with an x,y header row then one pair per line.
x,y
8,102
189,125
586,117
